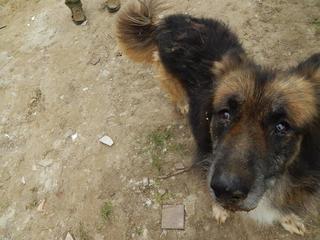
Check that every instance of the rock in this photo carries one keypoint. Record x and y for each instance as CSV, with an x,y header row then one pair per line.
x,y
45,162
190,205
94,60
179,166
106,140
98,236
74,136
162,192
23,180
163,233
147,203
145,182
40,207
69,236
172,217
69,133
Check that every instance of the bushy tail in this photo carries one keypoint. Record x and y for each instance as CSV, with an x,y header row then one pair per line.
x,y
136,28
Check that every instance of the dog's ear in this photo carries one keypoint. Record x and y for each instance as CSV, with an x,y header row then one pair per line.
x,y
231,60
310,69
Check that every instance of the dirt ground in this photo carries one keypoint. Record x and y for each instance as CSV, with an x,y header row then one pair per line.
x,y
62,87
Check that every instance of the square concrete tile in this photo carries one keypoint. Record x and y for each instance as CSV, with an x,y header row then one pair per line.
x,y
172,217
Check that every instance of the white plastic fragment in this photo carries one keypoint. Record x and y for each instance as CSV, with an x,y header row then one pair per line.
x,y
145,182
23,180
74,136
106,140
69,237
40,207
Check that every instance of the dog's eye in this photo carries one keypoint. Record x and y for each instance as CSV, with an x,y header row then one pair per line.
x,y
282,128
225,115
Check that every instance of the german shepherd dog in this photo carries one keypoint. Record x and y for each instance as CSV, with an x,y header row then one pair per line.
x,y
257,128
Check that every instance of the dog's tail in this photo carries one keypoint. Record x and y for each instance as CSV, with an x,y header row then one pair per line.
x,y
136,28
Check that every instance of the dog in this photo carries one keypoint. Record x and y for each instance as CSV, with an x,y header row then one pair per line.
x,y
257,128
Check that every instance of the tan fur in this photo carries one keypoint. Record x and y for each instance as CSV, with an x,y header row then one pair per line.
x,y
172,86
135,31
240,81
135,27
143,56
298,95
228,63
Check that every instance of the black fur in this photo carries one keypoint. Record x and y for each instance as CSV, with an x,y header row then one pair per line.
x,y
246,150
188,47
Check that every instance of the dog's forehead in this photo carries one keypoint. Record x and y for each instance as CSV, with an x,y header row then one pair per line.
x,y
292,93
240,83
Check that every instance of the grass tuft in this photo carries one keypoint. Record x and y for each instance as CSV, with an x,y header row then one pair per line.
x,y
106,210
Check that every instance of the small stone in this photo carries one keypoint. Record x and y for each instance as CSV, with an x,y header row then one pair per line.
x,y
179,166
85,89
98,237
162,192
151,182
74,136
69,236
172,217
148,203
33,18
94,60
106,140
40,207
68,133
23,181
163,233
45,162
145,182
84,23
190,205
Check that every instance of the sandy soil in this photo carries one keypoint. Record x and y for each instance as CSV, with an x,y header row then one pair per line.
x,y
55,104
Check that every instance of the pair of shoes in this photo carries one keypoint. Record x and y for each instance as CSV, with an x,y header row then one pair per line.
x,y
78,16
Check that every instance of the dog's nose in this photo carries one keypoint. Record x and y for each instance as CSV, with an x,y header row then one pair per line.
x,y
229,188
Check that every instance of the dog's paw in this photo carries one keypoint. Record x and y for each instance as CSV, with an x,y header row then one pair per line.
x,y
219,213
183,109
293,224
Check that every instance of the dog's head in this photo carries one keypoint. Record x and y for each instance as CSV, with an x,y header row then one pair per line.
x,y
259,122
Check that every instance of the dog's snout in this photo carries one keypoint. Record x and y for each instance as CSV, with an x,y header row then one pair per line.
x,y
229,188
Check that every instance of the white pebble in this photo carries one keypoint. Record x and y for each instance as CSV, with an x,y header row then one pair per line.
x,y
74,136
106,140
23,181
